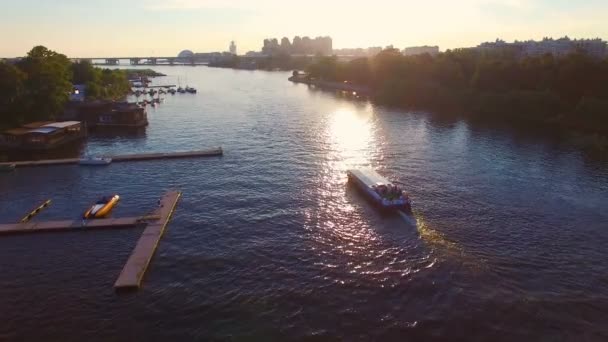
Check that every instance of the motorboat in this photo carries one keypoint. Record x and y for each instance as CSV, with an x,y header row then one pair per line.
x,y
102,208
385,194
95,161
190,90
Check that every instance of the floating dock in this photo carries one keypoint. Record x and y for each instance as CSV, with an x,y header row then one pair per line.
x,y
123,158
65,225
131,276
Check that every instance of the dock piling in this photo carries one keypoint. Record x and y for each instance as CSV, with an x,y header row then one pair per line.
x,y
36,211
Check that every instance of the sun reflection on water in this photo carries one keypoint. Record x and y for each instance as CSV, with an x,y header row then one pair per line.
x,y
353,246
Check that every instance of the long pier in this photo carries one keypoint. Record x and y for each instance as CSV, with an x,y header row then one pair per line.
x,y
123,158
66,225
134,270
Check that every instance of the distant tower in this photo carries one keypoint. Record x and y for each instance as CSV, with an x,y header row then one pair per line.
x,y
232,48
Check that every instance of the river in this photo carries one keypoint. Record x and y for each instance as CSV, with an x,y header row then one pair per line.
x,y
270,243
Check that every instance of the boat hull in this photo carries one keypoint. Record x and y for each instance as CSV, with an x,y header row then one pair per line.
x,y
365,179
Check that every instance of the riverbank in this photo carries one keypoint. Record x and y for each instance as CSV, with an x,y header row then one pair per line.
x,y
566,92
139,73
342,86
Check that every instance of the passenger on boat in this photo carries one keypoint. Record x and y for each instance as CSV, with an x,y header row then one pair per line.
x,y
381,189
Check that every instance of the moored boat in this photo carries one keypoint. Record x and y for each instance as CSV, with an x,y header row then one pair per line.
x,y
95,161
379,190
102,208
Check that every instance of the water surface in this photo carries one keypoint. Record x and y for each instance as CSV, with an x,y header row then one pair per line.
x,y
270,243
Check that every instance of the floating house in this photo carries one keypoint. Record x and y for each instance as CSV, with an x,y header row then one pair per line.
x,y
107,114
43,135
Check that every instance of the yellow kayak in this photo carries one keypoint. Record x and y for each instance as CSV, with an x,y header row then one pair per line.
x,y
102,208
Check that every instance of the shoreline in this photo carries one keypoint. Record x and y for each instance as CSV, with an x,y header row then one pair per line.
x,y
360,90
587,140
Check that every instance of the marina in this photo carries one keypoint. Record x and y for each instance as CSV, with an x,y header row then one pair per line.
x,y
134,270
27,226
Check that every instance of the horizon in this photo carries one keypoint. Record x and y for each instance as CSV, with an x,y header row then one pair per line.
x,y
164,28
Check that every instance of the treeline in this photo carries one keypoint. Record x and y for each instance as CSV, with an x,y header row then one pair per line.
x,y
38,86
571,91
283,62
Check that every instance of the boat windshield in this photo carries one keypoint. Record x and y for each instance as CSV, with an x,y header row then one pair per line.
x,y
103,200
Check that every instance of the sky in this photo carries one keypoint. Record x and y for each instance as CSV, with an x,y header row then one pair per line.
x,y
124,28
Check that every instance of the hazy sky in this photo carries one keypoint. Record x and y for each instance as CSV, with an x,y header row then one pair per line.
x,y
88,28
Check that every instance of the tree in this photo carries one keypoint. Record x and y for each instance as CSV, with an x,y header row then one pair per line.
x,y
48,83
83,72
11,94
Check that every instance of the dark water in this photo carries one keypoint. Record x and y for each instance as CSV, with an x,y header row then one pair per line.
x,y
269,242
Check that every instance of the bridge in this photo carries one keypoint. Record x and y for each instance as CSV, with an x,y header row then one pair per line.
x,y
198,59
147,60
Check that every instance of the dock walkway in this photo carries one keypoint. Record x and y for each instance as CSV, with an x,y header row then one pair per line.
x,y
63,225
123,158
134,270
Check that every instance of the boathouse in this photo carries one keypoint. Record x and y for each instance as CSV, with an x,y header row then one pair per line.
x,y
42,135
107,114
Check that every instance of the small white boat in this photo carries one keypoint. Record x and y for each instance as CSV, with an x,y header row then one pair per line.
x,y
95,161
385,194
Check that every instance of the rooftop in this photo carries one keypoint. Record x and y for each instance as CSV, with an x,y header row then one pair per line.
x,y
16,131
37,124
63,124
44,130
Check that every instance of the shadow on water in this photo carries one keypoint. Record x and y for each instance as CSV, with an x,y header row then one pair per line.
x,y
68,151
120,132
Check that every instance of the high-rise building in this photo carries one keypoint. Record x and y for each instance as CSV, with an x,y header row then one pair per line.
x,y
232,48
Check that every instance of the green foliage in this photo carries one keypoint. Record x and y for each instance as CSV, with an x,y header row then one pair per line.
x,y
103,84
494,85
38,86
590,113
47,85
11,91
142,73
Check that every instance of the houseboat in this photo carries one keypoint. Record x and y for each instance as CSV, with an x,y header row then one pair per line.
x,y
108,114
379,190
43,135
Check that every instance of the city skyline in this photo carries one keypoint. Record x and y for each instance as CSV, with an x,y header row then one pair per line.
x,y
155,28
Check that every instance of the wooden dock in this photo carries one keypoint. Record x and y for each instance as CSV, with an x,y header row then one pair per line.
x,y
134,270
65,225
123,158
